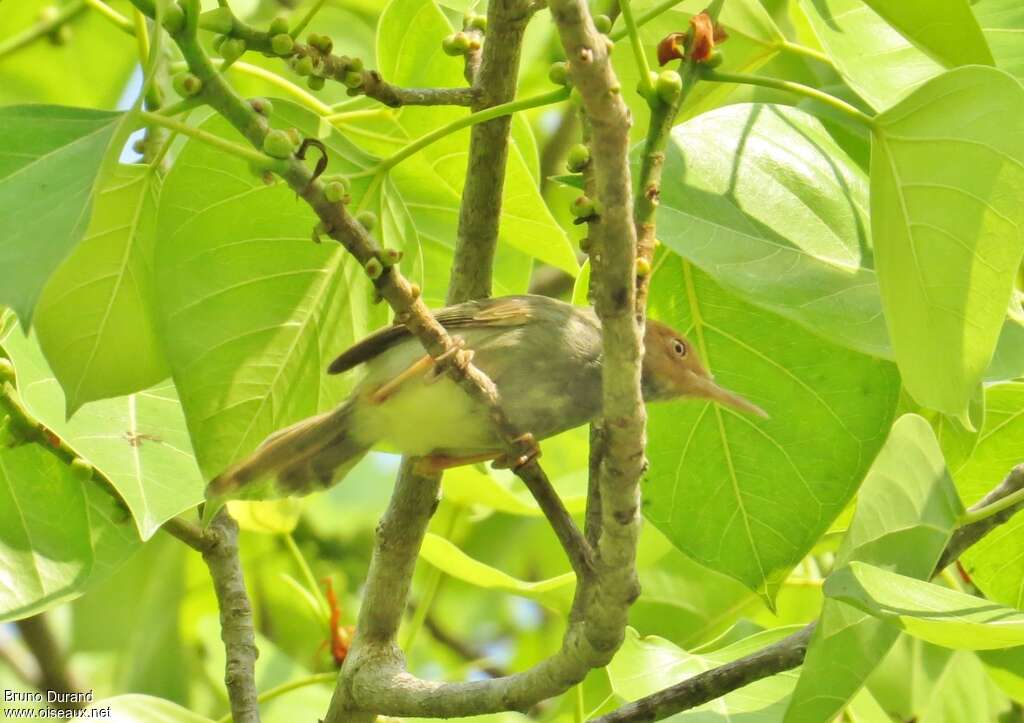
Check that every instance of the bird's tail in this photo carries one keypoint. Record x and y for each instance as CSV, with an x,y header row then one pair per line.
x,y
305,457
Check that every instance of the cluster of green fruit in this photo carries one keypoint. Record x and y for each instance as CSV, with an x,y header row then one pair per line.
x,y
468,39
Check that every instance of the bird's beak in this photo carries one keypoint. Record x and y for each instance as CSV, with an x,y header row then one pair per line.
x,y
706,387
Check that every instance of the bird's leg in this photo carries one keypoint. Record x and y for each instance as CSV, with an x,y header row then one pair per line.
x,y
526,451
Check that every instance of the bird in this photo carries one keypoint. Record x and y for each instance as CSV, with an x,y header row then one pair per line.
x,y
543,355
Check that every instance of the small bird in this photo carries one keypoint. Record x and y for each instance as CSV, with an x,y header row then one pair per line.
x,y
543,355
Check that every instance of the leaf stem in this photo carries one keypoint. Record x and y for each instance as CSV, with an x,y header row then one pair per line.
x,y
642,65
796,88
473,118
278,690
112,15
307,18
971,516
807,52
41,29
643,18
307,575
239,151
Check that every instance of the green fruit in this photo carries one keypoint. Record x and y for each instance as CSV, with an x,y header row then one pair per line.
x,y
61,35
232,49
651,97
355,64
315,82
187,85
367,219
558,73
324,44
278,144
353,80
390,257
669,86
282,44
81,470
477,22
219,20
455,44
583,207
313,39
578,158
603,23
278,25
49,14
643,267
374,268
174,18
474,45
716,59
336,191
262,106
294,136
304,65
6,370
139,147
585,244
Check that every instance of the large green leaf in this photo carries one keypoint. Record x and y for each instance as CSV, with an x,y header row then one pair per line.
x,y
409,54
91,69
95,318
996,562
1002,22
762,199
947,176
874,59
138,442
946,30
135,708
906,511
50,158
251,309
59,533
643,666
745,496
927,611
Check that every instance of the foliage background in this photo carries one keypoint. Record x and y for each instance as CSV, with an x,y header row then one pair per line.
x,y
194,316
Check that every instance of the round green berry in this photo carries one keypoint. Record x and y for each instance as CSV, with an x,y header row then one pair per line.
x,y
455,44
603,23
558,73
174,18
355,64
6,370
643,267
585,244
315,82
278,144
669,86
476,22
716,59
61,35
278,25
374,268
578,158
294,136
304,65
81,470
262,106
353,80
324,44
282,44
232,49
367,219
390,257
582,207
48,14
187,85
336,191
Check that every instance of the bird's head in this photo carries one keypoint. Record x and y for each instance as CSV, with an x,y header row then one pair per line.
x,y
672,369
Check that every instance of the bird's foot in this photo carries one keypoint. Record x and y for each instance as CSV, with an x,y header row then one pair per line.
x,y
525,450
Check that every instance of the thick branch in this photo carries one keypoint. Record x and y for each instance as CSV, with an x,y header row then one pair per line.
x,y
461,647
480,210
50,659
789,652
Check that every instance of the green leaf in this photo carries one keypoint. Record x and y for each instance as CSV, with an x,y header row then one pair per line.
x,y
762,199
946,30
906,510
95,319
251,309
136,708
1008,361
409,54
643,666
91,69
947,176
59,534
555,592
50,158
930,612
1002,22
468,486
996,562
138,442
874,59
745,496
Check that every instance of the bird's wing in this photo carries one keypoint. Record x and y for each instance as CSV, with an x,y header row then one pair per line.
x,y
505,311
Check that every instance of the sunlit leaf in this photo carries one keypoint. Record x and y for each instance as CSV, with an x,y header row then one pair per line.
x,y
946,30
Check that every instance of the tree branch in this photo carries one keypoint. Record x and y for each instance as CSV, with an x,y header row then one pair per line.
x,y
480,210
461,647
218,544
50,659
789,652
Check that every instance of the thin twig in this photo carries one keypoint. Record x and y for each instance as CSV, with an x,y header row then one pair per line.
x,y
50,659
461,647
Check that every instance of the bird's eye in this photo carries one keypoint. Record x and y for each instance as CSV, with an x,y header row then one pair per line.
x,y
679,347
